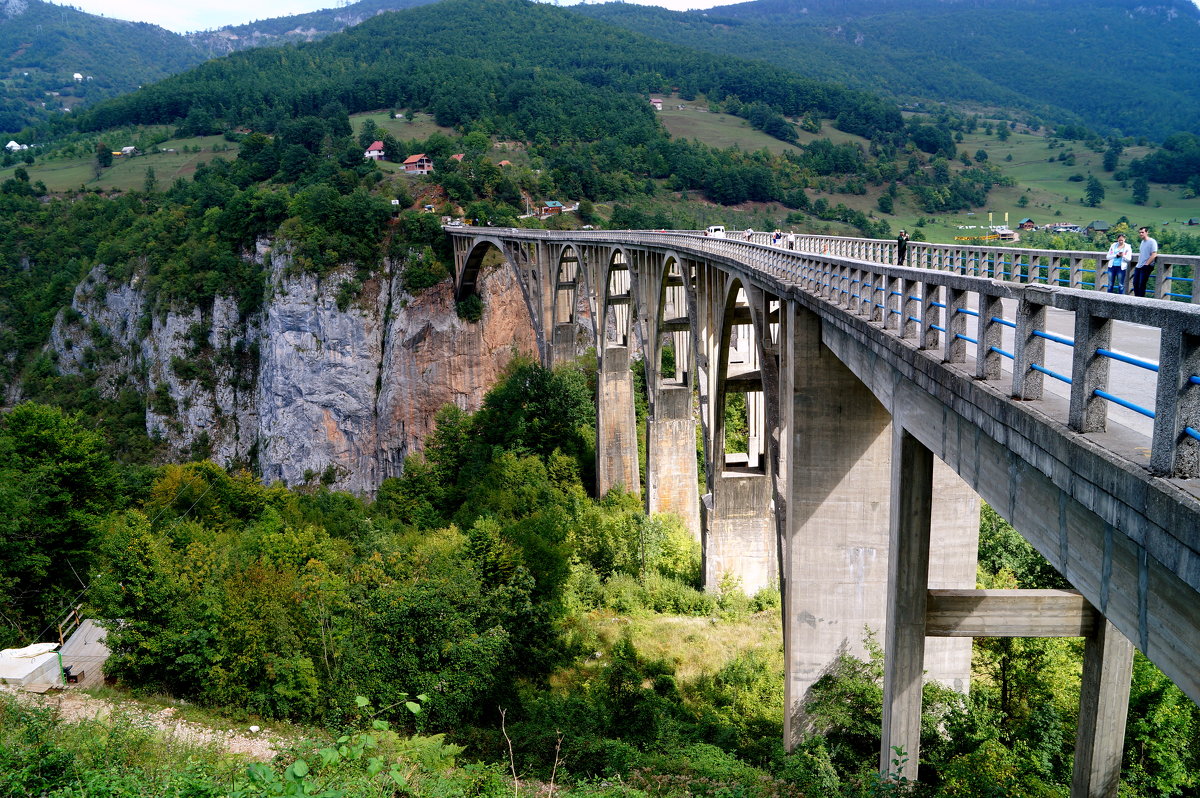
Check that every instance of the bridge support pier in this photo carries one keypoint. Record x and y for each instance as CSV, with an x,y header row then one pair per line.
x,y
616,425
739,531
672,478
1103,707
843,477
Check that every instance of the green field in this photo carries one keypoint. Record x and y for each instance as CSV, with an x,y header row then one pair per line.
x,y
129,174
1052,196
422,126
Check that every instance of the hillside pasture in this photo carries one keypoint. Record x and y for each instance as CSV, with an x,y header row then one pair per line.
x,y
129,174
422,126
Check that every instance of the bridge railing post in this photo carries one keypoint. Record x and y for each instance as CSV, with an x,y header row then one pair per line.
x,y
931,315
988,363
1075,274
1173,452
910,324
893,316
956,326
1037,269
1089,371
1163,279
1027,347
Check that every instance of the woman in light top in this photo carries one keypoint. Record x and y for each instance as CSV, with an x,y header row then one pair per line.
x,y
1118,257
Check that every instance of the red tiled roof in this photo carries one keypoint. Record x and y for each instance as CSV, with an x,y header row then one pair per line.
x,y
414,158
375,146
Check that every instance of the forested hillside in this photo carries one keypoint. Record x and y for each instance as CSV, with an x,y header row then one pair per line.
x,y
1114,65
44,45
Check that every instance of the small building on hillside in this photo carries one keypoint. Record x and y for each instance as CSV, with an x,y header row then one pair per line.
x,y
13,146
374,152
1194,220
1026,224
1097,226
504,163
419,164
458,156
657,103
552,208
129,152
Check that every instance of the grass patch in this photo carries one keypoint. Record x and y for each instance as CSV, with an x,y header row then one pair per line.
x,y
129,174
421,127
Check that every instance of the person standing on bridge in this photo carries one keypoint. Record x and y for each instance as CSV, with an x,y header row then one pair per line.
x,y
1119,255
901,247
1147,255
791,239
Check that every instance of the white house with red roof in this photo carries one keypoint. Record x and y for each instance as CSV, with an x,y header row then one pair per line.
x,y
419,164
374,152
657,103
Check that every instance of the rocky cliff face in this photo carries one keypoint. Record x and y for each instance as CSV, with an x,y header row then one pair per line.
x,y
301,389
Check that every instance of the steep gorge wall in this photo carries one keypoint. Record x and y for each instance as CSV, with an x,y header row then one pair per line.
x,y
299,388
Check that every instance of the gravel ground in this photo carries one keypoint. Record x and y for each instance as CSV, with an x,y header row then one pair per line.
x,y
74,707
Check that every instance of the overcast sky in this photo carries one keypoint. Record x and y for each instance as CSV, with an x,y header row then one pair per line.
x,y
183,17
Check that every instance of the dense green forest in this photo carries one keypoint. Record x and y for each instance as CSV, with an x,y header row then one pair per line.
x,y
1112,65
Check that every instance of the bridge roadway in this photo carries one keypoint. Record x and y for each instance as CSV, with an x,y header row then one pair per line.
x,y
881,403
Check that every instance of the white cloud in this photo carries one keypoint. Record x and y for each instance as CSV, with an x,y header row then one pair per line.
x,y
182,17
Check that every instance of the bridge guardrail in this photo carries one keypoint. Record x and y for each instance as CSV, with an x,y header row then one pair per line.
x,y
955,305
1174,278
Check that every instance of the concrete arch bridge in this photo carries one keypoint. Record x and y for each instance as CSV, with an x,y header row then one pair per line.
x,y
853,412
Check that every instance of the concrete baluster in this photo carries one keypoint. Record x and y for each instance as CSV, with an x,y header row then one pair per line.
x,y
1173,453
910,304
1089,371
956,325
1029,348
931,315
1164,270
988,364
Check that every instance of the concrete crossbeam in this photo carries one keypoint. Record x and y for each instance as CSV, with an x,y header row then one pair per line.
x,y
1008,613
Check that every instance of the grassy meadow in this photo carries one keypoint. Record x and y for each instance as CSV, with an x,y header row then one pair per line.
x,y
71,173
421,127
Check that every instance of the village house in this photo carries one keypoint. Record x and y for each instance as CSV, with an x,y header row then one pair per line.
x,y
458,156
374,152
1096,227
504,163
1026,224
418,164
657,103
552,208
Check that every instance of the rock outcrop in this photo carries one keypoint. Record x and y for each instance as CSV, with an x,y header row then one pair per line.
x,y
301,389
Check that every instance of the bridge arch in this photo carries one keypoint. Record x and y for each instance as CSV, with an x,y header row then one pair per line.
x,y
571,296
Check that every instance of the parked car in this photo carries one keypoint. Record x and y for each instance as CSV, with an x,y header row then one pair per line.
x,y
715,231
